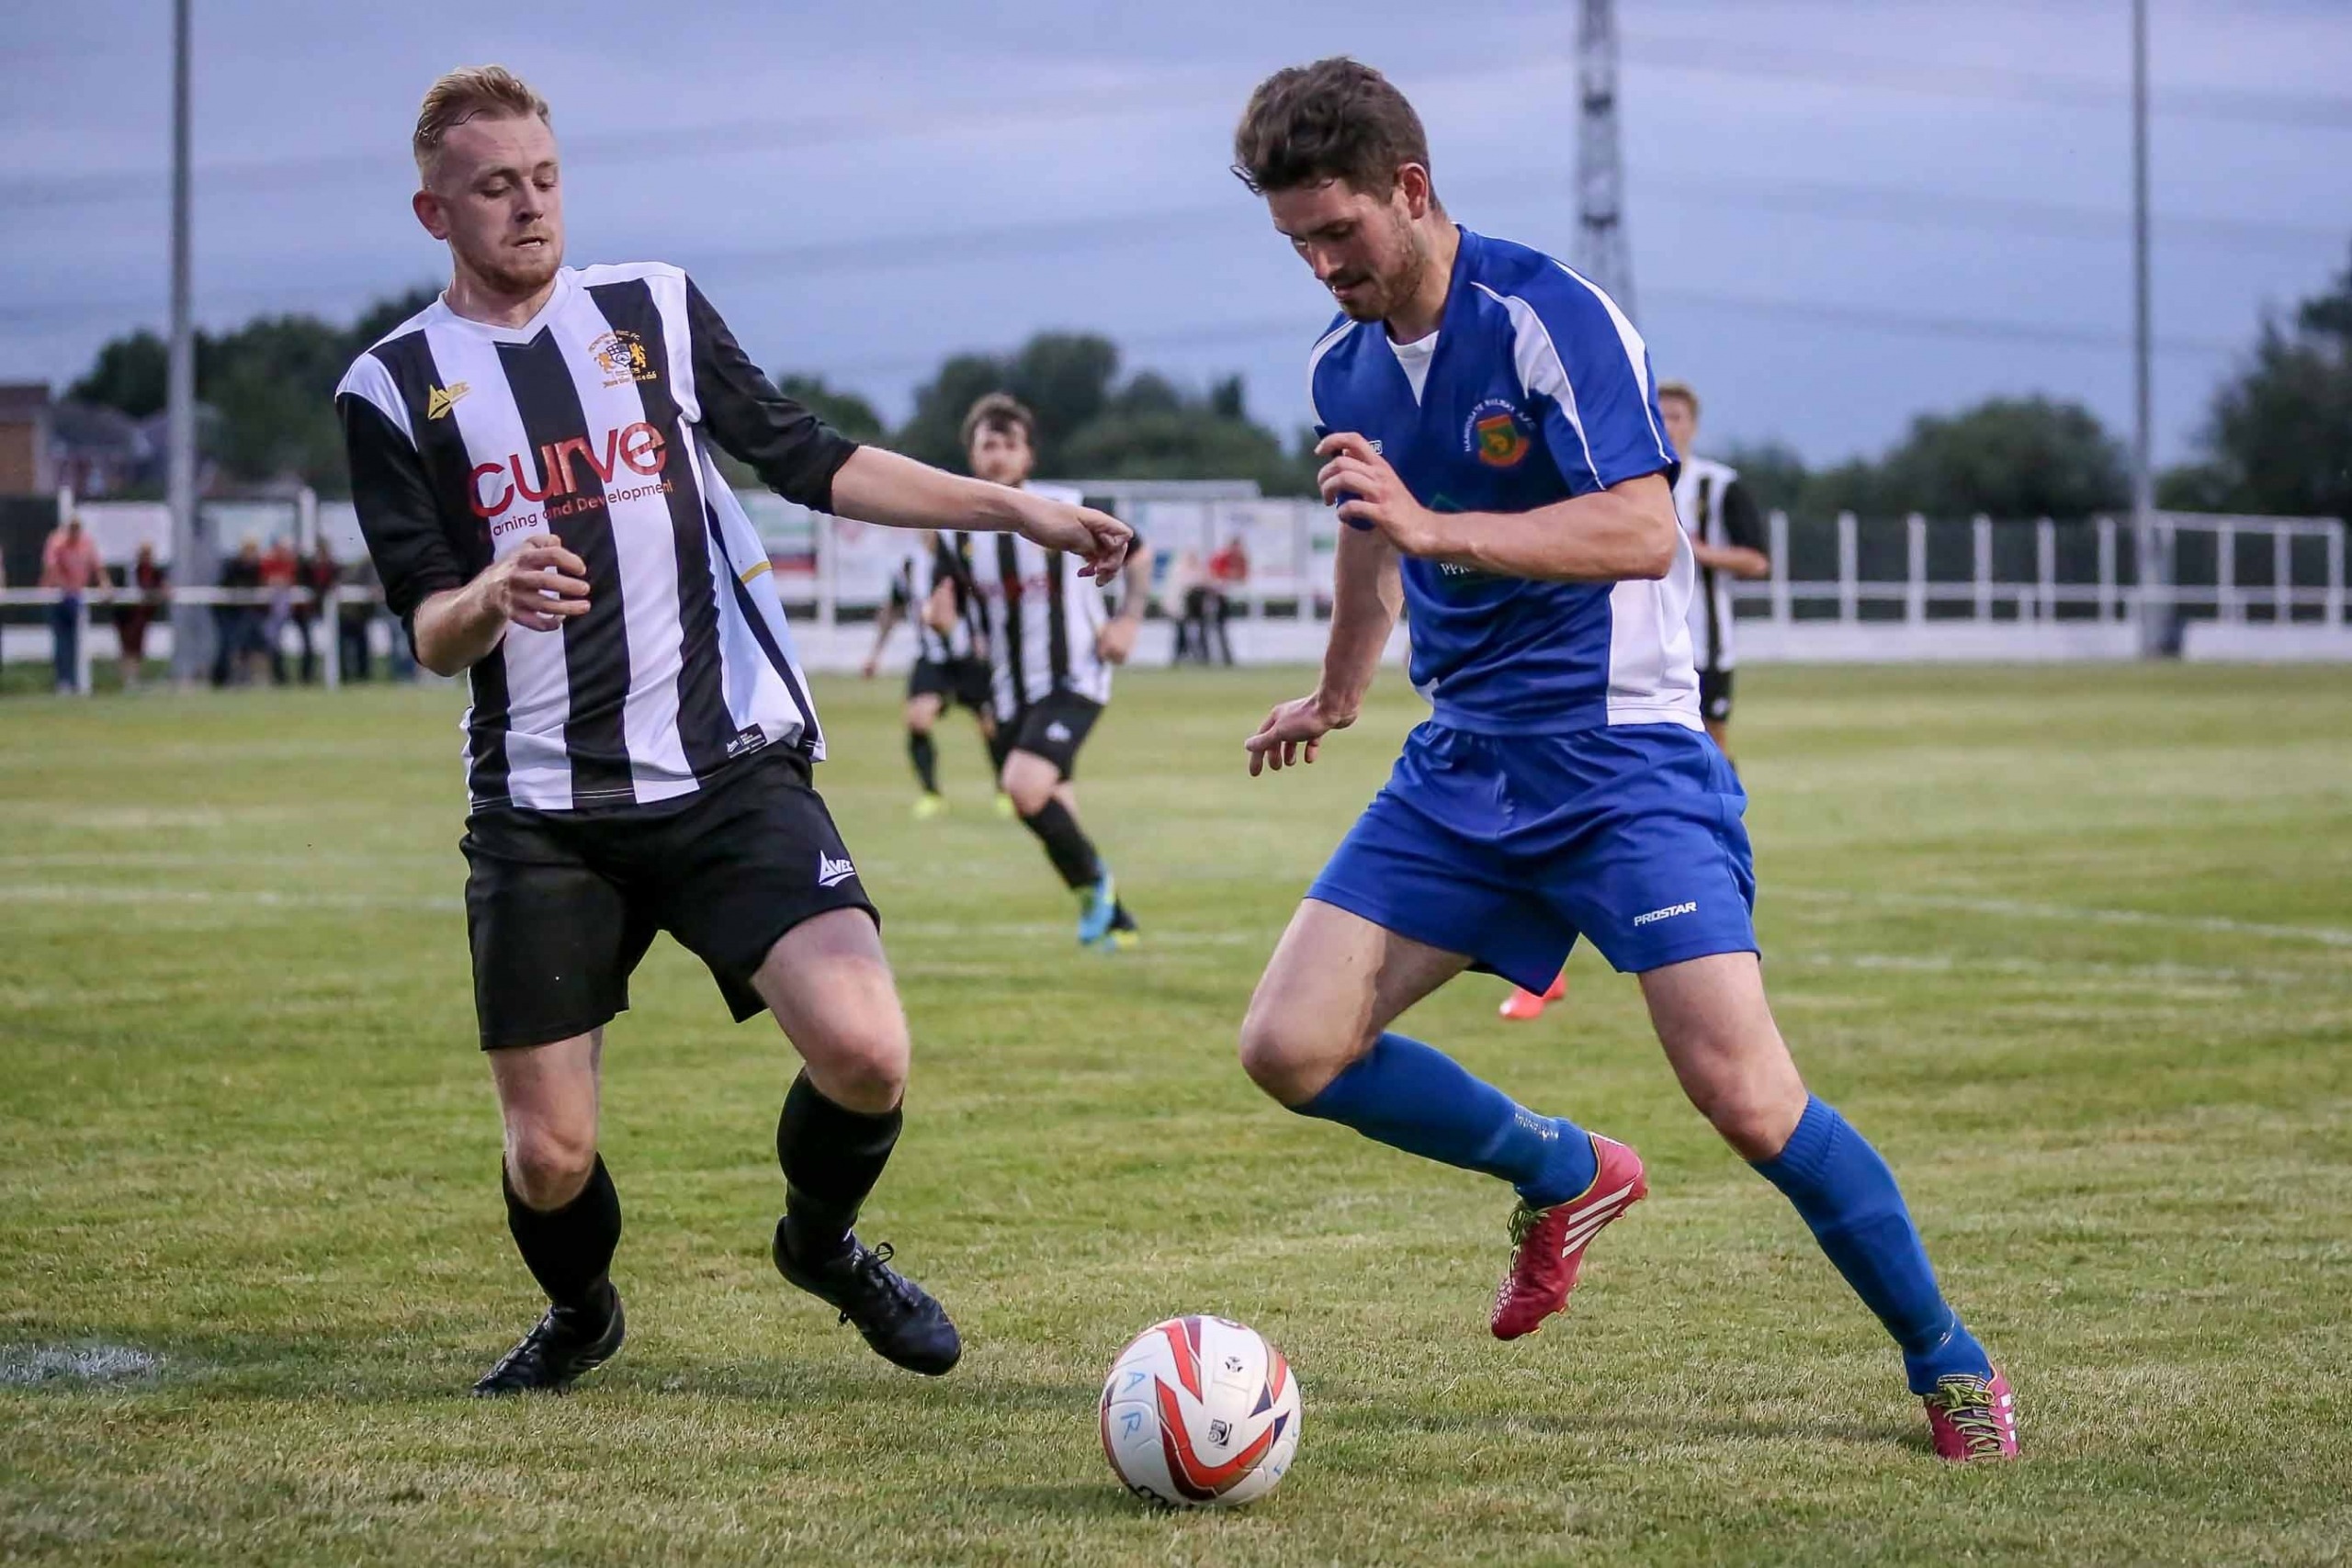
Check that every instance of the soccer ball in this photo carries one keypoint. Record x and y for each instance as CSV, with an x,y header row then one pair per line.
x,y
1200,1413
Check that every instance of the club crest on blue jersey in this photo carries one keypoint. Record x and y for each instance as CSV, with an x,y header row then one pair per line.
x,y
1496,432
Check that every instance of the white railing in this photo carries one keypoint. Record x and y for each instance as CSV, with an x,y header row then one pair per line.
x,y
2086,589
324,611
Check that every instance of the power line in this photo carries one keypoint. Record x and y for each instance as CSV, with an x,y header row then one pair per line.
x,y
2048,89
1649,50
1298,330
957,247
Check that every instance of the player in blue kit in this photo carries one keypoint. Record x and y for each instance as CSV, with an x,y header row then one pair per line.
x,y
1494,443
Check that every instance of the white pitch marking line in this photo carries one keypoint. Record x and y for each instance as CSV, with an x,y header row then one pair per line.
x,y
2328,936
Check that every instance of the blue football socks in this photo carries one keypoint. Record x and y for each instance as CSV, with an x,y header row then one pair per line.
x,y
1849,1199
1406,1095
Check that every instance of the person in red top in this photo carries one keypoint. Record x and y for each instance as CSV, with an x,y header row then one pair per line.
x,y
279,569
69,563
319,574
134,609
1229,570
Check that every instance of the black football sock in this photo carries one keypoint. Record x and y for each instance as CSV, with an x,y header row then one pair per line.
x,y
570,1250
831,1157
1067,844
926,759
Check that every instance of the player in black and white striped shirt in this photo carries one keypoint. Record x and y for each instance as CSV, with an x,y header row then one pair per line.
x,y
530,467
1052,644
1726,541
931,593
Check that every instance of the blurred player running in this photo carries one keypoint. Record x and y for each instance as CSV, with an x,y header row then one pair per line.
x,y
932,591
530,460
1496,451
1726,542
1052,644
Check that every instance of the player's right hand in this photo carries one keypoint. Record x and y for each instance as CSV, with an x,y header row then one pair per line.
x,y
1291,733
541,585
1097,539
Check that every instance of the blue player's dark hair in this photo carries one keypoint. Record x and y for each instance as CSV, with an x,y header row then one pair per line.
x,y
1336,119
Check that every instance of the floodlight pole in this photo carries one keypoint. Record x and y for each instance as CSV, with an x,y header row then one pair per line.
x,y
2154,606
180,394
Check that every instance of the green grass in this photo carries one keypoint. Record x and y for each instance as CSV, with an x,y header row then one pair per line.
x,y
2075,948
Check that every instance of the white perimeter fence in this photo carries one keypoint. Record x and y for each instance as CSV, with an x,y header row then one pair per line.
x,y
1842,588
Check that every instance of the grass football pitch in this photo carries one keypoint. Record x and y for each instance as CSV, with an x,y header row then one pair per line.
x,y
2074,947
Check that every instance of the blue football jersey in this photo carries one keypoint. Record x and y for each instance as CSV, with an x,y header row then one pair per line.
x,y
1539,390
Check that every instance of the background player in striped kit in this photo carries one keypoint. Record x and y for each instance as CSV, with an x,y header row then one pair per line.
x,y
641,738
931,593
1052,644
1728,542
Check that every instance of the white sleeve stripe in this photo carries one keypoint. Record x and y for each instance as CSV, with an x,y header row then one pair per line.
x,y
1636,352
370,378
1323,346
1540,369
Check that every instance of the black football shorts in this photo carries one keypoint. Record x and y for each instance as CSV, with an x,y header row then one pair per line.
x,y
1053,728
1715,694
561,905
959,682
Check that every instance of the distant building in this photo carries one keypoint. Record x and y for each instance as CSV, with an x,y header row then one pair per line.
x,y
98,451
26,438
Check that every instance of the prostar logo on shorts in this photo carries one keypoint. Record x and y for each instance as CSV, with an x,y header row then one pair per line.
x,y
495,487
1496,431
622,357
1667,913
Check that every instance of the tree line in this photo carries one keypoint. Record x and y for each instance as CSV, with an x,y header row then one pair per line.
x,y
2276,437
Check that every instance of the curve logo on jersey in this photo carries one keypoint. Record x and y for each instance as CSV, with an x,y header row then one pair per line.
x,y
496,487
1496,431
622,357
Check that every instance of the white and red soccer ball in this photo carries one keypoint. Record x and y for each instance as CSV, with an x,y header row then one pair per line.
x,y
1200,1413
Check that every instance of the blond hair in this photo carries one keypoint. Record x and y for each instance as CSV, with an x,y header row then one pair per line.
x,y
1678,389
470,92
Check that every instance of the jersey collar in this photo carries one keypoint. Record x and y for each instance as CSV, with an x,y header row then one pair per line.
x,y
564,282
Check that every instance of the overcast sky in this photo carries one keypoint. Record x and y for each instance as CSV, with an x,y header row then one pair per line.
x,y
1842,214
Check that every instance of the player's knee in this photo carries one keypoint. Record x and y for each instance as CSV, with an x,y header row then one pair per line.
x,y
1031,787
1284,1054
1755,1119
549,1163
863,1069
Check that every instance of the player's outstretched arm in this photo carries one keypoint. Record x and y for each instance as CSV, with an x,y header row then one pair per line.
x,y
1366,595
876,485
1626,531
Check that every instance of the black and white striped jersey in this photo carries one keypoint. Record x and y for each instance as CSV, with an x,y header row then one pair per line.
x,y
919,576
1042,614
1715,509
589,422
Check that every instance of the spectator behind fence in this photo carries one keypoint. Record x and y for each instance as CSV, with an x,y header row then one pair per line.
x,y
357,613
134,608
318,576
234,626
1179,596
1229,575
69,563
280,568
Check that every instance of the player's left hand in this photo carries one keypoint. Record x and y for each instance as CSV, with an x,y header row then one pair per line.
x,y
1116,640
1098,539
1376,498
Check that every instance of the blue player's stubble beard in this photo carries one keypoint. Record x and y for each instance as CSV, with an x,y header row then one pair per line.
x,y
1391,288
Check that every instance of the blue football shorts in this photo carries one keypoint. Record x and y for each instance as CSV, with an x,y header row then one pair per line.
x,y
1508,848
